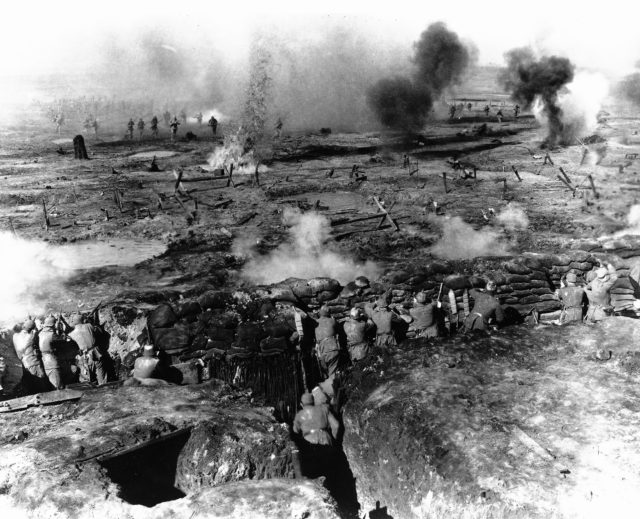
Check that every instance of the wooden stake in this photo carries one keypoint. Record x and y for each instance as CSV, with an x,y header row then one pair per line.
x,y
593,186
573,189
386,213
504,188
44,213
178,185
516,172
565,175
444,179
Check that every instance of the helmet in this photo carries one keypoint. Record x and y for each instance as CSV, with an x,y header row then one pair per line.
x,y
361,282
28,325
421,297
49,322
147,350
307,399
319,396
76,319
355,313
601,272
491,286
324,311
571,277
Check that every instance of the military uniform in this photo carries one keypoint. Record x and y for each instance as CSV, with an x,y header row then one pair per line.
x,y
485,308
327,346
384,320
49,360
424,322
25,347
599,299
572,299
89,358
357,343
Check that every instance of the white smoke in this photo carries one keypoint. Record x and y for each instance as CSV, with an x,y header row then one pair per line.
x,y
581,103
28,274
633,223
306,255
232,153
460,240
513,217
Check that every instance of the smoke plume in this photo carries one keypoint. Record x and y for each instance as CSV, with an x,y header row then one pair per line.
x,y
460,240
305,255
440,61
28,276
529,79
513,217
629,88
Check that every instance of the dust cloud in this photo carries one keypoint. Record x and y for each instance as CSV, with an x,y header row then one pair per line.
x,y
513,217
460,240
305,255
29,274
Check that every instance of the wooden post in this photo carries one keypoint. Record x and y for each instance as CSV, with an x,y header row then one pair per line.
x,y
565,175
504,188
256,174
593,186
159,201
230,179
178,185
573,189
386,214
516,172
444,180
44,214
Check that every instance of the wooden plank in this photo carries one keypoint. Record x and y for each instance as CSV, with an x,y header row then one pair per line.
x,y
386,213
47,398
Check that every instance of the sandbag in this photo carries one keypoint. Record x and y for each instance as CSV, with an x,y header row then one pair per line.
x,y
162,317
188,309
213,299
324,285
171,340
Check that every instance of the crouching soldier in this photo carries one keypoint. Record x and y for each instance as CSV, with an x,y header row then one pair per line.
x,y
315,423
572,298
424,322
89,358
486,309
327,346
148,365
50,362
357,329
24,343
386,321
598,294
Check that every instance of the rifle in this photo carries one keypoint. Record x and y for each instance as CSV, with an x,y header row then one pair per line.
x,y
93,315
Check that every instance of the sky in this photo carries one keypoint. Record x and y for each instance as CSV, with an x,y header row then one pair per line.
x,y
41,37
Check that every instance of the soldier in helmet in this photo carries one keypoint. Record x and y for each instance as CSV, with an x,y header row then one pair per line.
x,y
357,329
174,128
386,323
598,293
424,322
213,123
46,338
486,309
327,346
26,348
148,365
315,423
130,126
154,127
572,298
90,359
141,127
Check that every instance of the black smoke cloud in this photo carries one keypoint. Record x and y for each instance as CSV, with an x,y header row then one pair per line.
x,y
528,78
440,61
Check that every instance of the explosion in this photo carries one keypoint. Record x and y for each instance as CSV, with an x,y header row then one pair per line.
x,y
305,255
440,60
530,79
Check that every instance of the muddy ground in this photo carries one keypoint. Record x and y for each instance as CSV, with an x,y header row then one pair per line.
x,y
312,171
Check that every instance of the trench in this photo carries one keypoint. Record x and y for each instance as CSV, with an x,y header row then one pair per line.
x,y
146,475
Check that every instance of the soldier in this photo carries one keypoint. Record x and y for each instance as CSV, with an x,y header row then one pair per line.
x,y
174,128
385,321
141,127
49,359
278,128
130,126
316,424
154,127
89,358
452,111
469,106
167,118
424,322
199,118
499,115
598,293
486,309
572,298
24,343
357,329
148,365
327,346
59,120
486,110
213,122
516,111
95,127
